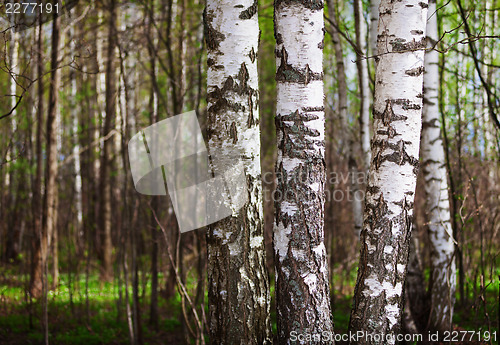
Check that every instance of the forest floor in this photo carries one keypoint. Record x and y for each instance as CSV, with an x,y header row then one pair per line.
x,y
94,315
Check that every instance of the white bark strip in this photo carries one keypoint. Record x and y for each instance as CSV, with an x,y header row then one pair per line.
x,y
364,83
374,5
393,170
303,303
443,279
238,286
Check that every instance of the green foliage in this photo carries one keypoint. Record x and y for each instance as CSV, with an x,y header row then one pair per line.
x,y
69,322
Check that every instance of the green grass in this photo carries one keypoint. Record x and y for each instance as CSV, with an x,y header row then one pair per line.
x,y
71,322
104,321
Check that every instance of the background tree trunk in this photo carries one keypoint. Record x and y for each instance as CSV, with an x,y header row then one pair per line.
x,y
347,140
393,171
363,83
374,5
302,293
36,283
105,165
443,278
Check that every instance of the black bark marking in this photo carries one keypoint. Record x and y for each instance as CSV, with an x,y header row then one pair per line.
x,y
399,155
233,133
298,148
313,5
311,109
213,38
388,116
415,72
249,12
423,4
416,32
400,45
219,95
251,120
288,73
434,123
252,55
406,104
373,189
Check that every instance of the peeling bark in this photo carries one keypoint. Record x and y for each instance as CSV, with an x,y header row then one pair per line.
x,y
443,278
302,293
238,285
385,238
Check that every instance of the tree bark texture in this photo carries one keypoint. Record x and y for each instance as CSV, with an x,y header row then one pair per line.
x,y
443,278
378,301
374,5
302,292
105,165
363,83
238,283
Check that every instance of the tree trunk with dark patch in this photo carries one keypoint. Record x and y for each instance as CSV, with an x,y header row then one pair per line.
x,y
302,292
385,238
238,283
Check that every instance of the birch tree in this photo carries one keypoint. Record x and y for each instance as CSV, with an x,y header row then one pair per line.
x,y
363,82
443,281
374,5
390,193
238,285
302,293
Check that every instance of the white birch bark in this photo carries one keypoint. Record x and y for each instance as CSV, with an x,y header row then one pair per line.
x,y
363,82
101,81
393,171
76,142
443,278
490,54
238,285
14,70
374,5
302,293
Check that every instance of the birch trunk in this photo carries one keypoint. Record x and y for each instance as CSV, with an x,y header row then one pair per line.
x,y
75,110
489,53
443,281
36,276
363,82
239,301
302,293
393,172
374,5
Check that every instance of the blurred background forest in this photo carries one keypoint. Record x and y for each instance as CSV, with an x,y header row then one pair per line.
x,y
118,270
